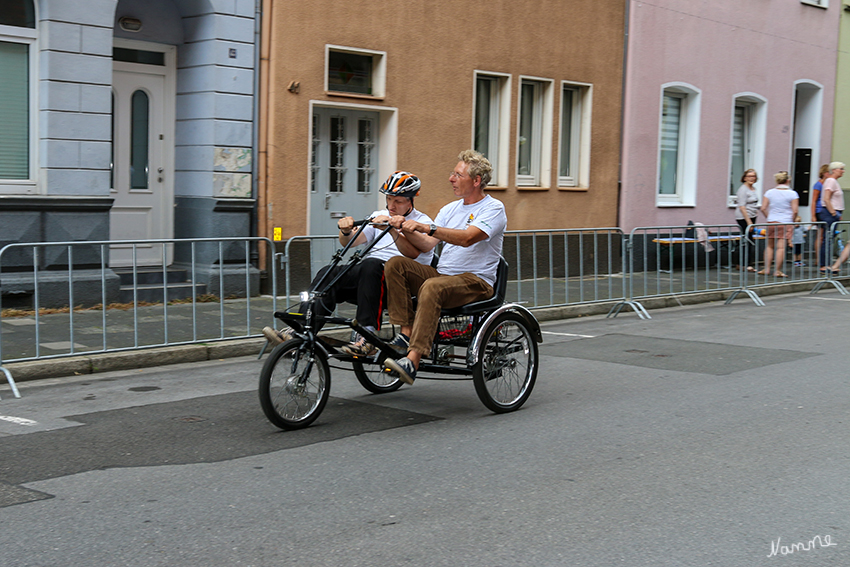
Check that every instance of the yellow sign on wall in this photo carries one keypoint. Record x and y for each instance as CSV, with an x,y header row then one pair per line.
x,y
278,233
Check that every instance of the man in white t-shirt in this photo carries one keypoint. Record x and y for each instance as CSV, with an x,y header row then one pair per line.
x,y
472,229
363,284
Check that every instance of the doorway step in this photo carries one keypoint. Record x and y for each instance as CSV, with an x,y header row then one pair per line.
x,y
149,284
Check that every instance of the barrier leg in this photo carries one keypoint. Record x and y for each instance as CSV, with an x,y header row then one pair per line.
x,y
11,382
753,295
636,307
263,350
836,284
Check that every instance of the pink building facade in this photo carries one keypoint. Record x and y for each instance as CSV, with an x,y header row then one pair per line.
x,y
716,87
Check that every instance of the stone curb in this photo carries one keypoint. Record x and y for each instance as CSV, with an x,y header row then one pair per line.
x,y
145,358
128,360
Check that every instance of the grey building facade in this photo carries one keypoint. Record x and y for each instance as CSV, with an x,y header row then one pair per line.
x,y
125,120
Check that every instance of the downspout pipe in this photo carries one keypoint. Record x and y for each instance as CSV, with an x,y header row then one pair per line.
x,y
623,108
255,129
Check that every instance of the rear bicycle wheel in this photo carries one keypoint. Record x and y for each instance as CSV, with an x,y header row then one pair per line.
x,y
507,364
376,381
294,385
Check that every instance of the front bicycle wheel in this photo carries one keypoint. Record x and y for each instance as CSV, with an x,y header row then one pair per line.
x,y
294,385
507,364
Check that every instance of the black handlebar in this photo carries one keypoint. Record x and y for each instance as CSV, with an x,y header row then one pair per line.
x,y
367,221
337,257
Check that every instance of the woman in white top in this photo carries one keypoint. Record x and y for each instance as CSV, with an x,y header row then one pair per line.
x,y
779,205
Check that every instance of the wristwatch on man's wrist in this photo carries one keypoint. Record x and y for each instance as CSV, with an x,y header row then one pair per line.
x,y
433,229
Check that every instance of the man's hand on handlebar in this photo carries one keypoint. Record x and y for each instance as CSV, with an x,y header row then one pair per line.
x,y
396,221
345,224
410,226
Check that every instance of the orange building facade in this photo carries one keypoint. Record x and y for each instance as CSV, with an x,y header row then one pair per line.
x,y
353,91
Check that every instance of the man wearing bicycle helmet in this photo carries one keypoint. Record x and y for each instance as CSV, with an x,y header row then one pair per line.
x,y
472,229
363,285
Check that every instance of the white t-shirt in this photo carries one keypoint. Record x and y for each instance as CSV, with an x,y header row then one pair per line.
x,y
779,208
482,258
386,247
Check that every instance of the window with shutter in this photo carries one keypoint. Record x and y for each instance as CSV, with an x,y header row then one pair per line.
x,y
14,108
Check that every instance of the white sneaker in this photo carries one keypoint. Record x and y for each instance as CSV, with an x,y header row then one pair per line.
x,y
403,367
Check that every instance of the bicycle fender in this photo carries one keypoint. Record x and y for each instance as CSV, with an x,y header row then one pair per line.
x,y
529,319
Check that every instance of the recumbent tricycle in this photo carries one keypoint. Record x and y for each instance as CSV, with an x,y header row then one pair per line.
x,y
490,342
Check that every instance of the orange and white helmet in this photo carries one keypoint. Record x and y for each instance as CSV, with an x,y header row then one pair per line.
x,y
401,184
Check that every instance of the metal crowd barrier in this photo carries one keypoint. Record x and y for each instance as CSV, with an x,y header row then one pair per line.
x,y
38,277
679,260
800,257
552,268
315,254
547,268
835,246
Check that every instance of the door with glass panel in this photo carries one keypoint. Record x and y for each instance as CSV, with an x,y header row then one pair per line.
x,y
142,185
343,167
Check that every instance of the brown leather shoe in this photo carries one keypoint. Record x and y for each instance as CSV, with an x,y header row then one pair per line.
x,y
276,337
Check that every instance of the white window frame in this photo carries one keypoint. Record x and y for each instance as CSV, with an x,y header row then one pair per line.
x,y
500,118
541,157
756,116
818,3
379,71
579,136
688,152
29,36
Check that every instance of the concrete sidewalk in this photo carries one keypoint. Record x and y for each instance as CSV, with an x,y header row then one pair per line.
x,y
237,319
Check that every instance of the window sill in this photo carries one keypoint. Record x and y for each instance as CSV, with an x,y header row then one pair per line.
x,y
822,4
531,188
578,189
675,205
18,188
495,188
354,95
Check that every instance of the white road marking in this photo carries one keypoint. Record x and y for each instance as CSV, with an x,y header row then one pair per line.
x,y
18,420
568,335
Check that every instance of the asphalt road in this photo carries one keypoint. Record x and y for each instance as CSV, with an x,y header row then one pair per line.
x,y
708,435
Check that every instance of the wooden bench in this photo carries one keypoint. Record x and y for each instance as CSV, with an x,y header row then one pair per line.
x,y
722,240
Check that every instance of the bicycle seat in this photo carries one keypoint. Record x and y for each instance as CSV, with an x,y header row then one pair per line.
x,y
498,298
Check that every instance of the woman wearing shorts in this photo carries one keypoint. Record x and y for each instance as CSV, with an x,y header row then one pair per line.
x,y
779,205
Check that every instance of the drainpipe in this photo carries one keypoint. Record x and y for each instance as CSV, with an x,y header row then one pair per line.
x,y
623,108
255,130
